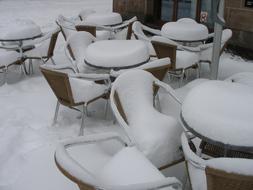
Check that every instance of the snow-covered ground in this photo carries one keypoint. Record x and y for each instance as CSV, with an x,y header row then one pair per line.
x,y
28,139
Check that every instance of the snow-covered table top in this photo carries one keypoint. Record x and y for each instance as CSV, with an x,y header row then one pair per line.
x,y
185,31
220,113
105,19
20,30
117,54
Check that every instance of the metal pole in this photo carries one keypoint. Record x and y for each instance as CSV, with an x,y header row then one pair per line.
x,y
217,39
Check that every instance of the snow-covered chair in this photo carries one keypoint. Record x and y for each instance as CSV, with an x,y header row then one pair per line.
x,y
206,50
75,89
182,57
216,173
75,49
155,134
138,30
103,161
187,20
44,47
66,25
84,13
9,56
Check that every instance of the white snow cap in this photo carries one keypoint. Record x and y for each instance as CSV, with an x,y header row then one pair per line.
x,y
104,18
156,135
221,111
21,29
116,53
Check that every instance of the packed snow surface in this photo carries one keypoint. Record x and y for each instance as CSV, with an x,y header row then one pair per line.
x,y
28,139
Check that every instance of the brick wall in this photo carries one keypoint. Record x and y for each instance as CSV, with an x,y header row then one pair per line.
x,y
240,19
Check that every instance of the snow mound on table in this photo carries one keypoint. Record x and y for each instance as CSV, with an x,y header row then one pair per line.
x,y
156,134
21,29
232,165
224,109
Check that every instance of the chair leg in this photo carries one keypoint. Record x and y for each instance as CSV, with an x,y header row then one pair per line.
x,y
56,112
181,78
82,122
52,60
106,108
30,70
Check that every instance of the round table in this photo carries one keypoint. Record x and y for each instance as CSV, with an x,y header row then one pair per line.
x,y
116,54
220,113
104,19
183,31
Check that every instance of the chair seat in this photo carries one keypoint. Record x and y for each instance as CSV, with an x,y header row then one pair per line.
x,y
103,35
185,59
104,18
129,166
85,91
8,57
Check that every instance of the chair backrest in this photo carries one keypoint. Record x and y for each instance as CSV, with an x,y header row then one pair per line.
x,y
165,48
84,13
76,46
206,53
229,174
132,102
87,28
59,83
67,28
138,31
52,43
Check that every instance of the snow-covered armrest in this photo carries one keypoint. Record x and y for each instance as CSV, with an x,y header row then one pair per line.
x,y
59,67
91,76
151,30
124,24
168,89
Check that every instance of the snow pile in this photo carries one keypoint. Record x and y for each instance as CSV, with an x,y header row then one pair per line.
x,y
185,31
224,109
8,57
156,135
104,19
116,53
21,29
245,78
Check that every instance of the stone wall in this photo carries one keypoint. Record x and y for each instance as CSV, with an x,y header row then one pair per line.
x,y
240,19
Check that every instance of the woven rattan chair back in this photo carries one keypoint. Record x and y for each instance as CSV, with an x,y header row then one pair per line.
x,y
164,50
59,82
221,180
52,44
129,31
90,29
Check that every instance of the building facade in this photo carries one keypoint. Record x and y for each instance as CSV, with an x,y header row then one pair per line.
x,y
238,14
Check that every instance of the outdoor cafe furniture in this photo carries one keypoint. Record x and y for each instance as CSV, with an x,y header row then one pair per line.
x,y
19,32
106,161
122,30
219,113
75,89
44,48
216,173
186,30
138,30
103,19
155,134
182,57
116,54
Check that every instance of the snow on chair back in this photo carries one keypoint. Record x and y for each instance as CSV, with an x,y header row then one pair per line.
x,y
157,135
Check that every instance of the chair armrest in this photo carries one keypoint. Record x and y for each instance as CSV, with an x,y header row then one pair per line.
x,y
91,76
59,67
168,89
151,30
167,182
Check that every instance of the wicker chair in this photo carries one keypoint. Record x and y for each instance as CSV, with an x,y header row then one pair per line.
x,y
182,57
124,96
229,174
74,90
75,49
92,162
9,56
139,31
207,48
84,13
66,25
44,48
